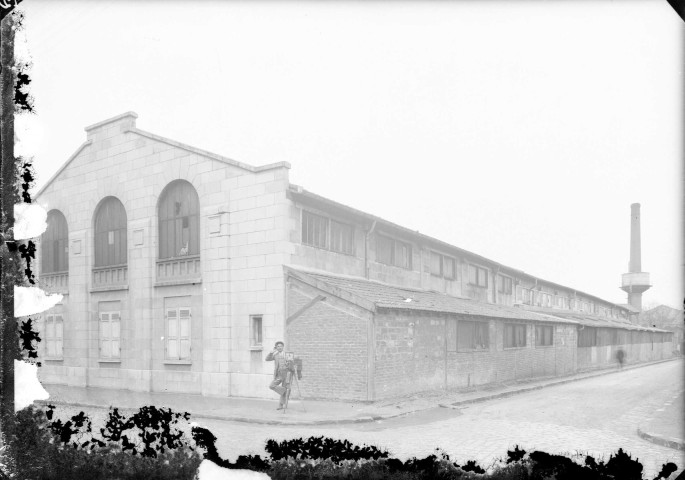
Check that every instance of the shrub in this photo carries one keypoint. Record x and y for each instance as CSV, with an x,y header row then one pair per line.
x,y
40,449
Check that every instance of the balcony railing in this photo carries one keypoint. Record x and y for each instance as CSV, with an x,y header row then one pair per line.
x,y
110,276
178,268
54,281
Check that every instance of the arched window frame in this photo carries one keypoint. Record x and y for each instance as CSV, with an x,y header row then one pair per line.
x,y
54,244
178,214
110,242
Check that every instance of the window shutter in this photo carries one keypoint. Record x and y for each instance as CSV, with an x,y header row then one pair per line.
x,y
59,335
105,335
172,334
116,334
184,333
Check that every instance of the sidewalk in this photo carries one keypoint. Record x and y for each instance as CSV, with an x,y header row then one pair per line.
x,y
666,426
304,412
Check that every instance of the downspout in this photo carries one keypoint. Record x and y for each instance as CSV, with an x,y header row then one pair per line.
x,y
366,249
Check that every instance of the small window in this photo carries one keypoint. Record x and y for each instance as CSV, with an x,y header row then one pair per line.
x,y
256,331
314,230
472,336
110,335
478,276
442,265
393,252
514,335
54,336
587,337
543,335
342,238
436,264
504,285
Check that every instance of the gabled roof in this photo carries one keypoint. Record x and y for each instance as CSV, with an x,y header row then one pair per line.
x,y
373,296
161,139
297,193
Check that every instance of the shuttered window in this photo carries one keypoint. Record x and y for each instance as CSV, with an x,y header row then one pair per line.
x,y
514,335
54,336
544,335
178,333
54,244
179,221
110,234
110,335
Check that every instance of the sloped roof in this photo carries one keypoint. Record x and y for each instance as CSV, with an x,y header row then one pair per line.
x,y
298,193
595,320
374,295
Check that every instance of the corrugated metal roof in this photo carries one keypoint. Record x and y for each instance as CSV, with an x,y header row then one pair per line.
x,y
594,320
384,296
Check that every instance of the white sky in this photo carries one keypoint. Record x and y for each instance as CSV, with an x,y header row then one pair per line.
x,y
521,131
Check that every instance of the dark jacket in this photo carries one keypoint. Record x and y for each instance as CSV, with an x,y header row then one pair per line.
x,y
279,361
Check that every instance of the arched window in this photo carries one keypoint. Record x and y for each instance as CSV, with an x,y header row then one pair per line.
x,y
110,233
179,221
54,243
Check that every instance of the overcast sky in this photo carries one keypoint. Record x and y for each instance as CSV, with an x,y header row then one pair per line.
x,y
521,131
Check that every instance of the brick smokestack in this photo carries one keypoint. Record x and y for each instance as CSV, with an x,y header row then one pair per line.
x,y
635,282
635,264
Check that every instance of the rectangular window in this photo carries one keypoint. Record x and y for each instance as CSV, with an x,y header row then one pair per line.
x,y
342,238
504,285
472,336
393,252
544,335
54,336
178,333
449,268
587,337
314,230
451,335
442,266
256,330
110,335
436,264
478,276
514,335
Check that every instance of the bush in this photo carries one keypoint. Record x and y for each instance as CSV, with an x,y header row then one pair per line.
x,y
40,449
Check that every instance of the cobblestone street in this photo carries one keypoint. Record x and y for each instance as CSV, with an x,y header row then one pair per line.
x,y
594,416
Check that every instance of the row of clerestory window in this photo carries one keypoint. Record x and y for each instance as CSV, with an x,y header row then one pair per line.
x,y
178,213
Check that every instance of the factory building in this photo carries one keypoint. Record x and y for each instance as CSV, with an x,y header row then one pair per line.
x,y
180,268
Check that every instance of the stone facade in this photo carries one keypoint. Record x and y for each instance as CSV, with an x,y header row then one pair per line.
x,y
203,321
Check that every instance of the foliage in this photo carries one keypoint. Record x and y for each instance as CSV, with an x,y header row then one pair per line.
x,y
45,449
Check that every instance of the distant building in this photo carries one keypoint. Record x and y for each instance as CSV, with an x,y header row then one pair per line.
x,y
180,268
666,318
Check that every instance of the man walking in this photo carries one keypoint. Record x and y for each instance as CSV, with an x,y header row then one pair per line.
x,y
279,383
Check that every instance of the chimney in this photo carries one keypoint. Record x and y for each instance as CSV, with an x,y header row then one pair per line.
x,y
635,264
111,127
635,282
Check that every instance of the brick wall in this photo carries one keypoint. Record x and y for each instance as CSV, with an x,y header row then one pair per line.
x,y
331,339
411,358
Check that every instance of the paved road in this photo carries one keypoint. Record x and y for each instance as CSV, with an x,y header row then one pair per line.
x,y
595,416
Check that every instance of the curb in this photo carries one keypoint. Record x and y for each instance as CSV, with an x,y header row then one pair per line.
x,y
372,418
675,443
